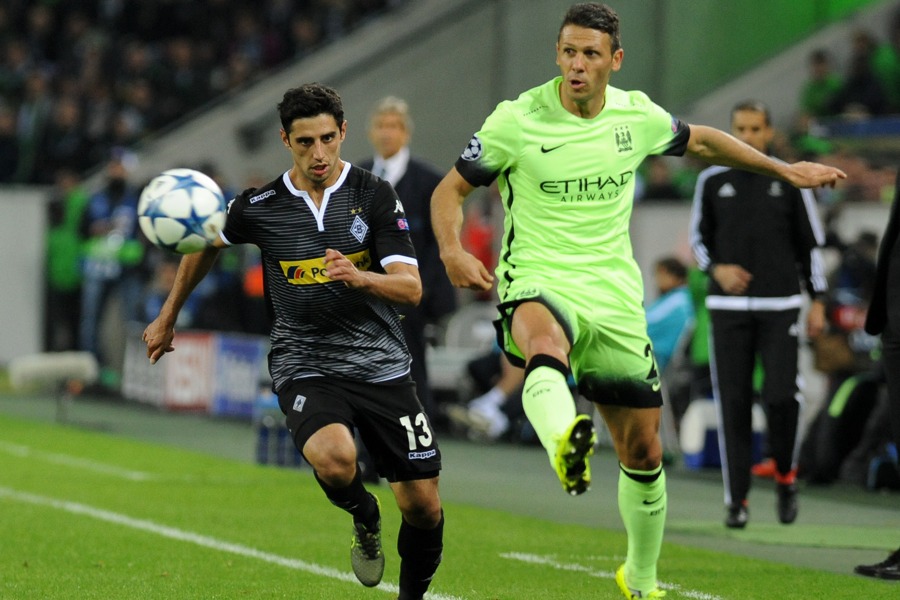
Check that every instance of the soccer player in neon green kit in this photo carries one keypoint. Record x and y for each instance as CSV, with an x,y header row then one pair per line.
x,y
564,155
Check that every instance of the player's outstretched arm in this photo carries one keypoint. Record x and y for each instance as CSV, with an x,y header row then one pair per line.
x,y
719,148
463,269
159,334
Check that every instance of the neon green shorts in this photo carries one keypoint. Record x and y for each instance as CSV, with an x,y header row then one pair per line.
x,y
611,357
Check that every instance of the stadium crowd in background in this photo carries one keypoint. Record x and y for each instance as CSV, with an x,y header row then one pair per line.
x,y
79,78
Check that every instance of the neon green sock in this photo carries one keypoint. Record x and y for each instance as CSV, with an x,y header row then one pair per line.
x,y
643,510
549,405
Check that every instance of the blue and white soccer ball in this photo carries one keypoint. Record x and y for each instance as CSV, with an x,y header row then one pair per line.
x,y
181,210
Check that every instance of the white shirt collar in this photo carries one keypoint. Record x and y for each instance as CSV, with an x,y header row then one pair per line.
x,y
394,168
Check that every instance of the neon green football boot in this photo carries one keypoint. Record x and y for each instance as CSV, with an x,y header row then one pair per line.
x,y
572,452
633,594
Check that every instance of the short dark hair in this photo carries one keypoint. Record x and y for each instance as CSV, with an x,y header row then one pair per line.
x,y
753,106
309,100
594,15
673,266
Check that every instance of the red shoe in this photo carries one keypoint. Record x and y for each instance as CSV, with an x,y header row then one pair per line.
x,y
787,479
765,468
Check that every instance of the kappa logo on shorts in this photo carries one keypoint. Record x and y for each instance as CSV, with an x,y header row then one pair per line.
x,y
299,401
422,455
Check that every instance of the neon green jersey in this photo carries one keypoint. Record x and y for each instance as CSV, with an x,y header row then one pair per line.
x,y
567,185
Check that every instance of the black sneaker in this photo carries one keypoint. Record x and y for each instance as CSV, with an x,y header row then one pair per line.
x,y
787,502
366,555
886,569
737,516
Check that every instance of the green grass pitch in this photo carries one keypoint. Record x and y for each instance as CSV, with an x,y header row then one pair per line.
x,y
89,515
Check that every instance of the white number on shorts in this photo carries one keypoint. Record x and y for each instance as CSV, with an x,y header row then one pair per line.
x,y
425,439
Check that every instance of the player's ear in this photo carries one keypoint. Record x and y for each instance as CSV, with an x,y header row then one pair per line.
x,y
344,129
617,57
285,139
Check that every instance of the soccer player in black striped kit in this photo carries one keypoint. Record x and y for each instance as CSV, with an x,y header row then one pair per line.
x,y
757,238
337,257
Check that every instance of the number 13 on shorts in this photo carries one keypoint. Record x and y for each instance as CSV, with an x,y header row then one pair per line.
x,y
423,438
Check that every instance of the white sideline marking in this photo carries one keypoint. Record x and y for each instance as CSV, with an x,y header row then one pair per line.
x,y
552,562
74,461
196,538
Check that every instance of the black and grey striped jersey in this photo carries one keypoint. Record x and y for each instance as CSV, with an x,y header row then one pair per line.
x,y
321,327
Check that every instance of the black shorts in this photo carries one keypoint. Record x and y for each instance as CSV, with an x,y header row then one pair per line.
x,y
389,417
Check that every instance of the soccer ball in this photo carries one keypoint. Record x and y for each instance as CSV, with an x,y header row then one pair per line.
x,y
181,210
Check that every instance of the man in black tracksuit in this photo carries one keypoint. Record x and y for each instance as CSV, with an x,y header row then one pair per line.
x,y
757,237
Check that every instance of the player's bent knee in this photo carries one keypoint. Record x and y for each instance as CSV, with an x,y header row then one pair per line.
x,y
423,516
336,467
419,505
642,453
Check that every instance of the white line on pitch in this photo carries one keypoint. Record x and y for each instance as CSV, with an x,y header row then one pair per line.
x,y
552,562
74,461
195,538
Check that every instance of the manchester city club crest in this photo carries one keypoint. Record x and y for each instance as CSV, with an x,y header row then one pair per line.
x,y
623,139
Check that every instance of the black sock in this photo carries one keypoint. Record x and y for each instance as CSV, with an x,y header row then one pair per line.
x,y
354,499
420,554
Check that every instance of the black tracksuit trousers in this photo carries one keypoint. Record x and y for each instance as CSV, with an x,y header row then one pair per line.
x,y
737,337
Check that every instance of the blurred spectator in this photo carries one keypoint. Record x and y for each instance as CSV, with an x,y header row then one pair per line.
x,y
33,116
15,64
64,145
701,383
63,292
488,416
659,184
184,79
670,316
823,84
304,35
845,349
113,253
856,273
142,65
164,266
9,149
862,94
886,63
